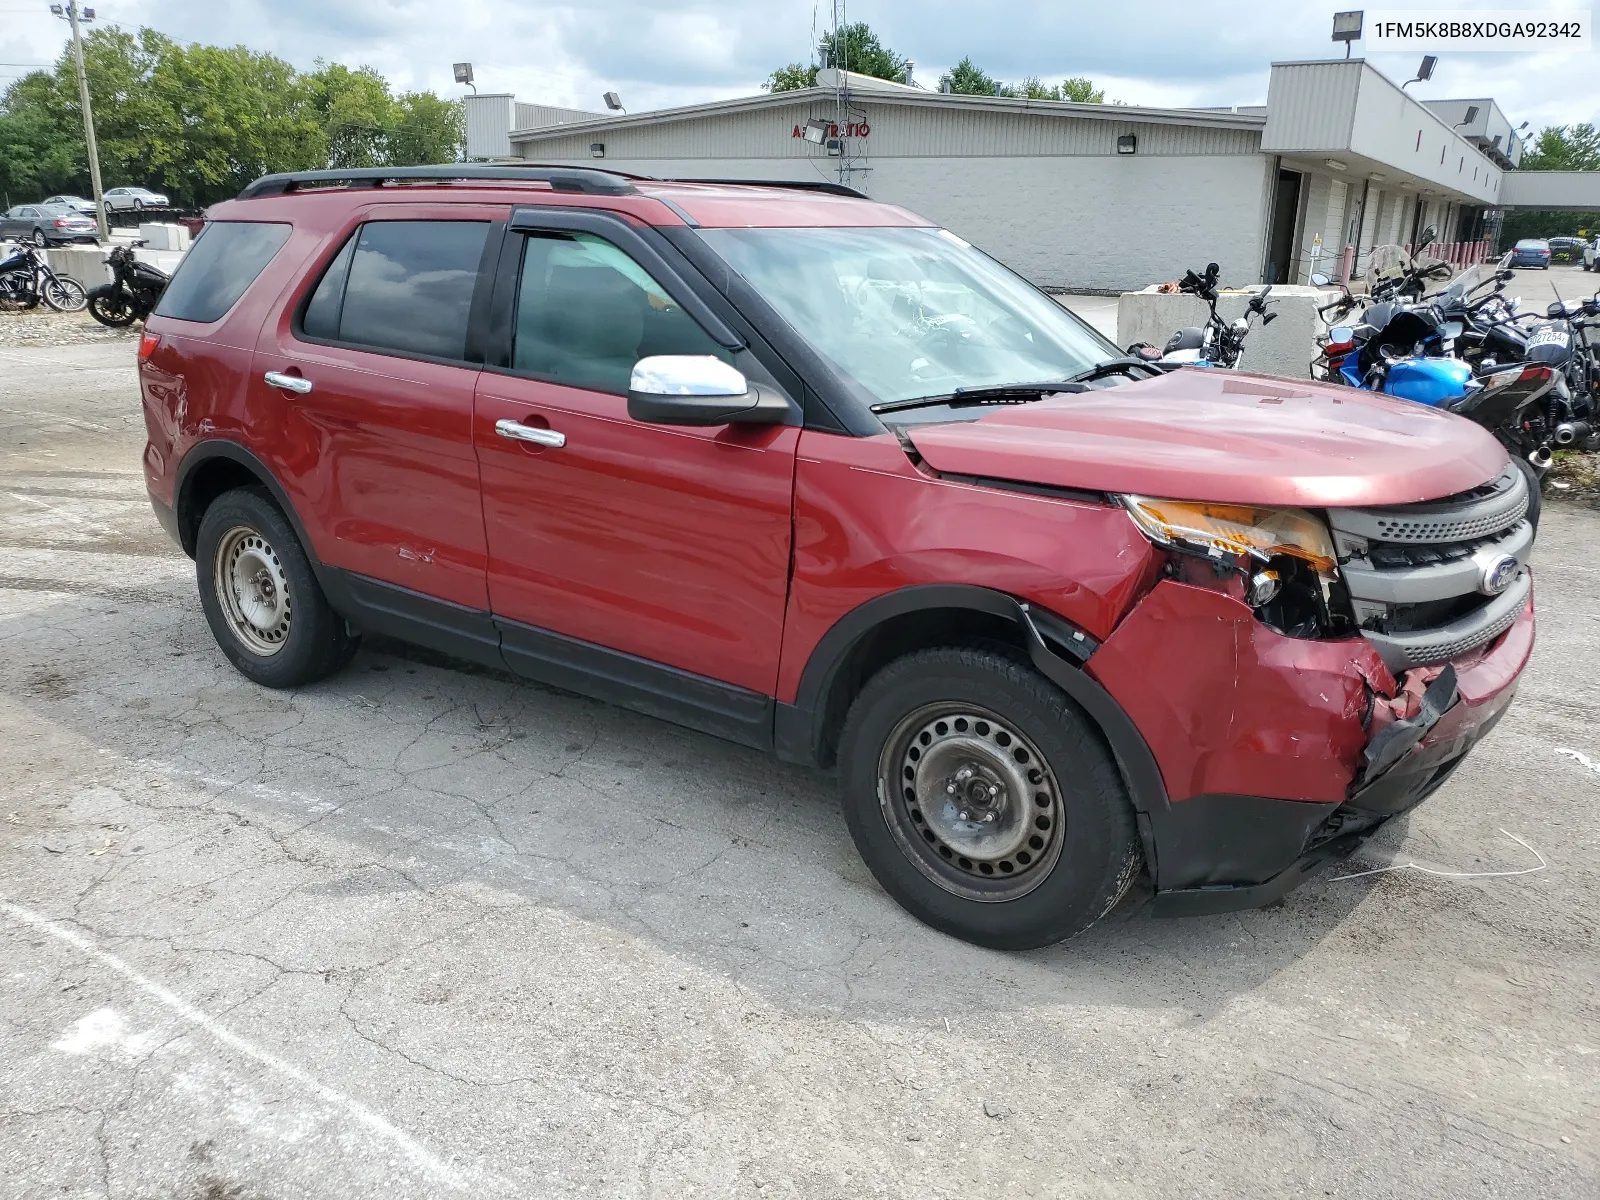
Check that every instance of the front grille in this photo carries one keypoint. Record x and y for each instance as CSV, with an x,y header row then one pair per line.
x,y
1418,576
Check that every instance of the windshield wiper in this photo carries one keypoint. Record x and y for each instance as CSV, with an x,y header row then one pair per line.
x,y
1115,366
1012,392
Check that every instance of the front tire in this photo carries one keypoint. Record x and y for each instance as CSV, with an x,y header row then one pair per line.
x,y
109,305
40,239
261,597
984,801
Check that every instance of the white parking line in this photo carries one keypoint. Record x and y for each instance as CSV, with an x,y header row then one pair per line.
x,y
424,1158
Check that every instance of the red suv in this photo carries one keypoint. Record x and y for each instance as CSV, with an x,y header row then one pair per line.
x,y
806,472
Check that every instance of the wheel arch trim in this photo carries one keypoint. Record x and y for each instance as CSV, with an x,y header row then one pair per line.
x,y
210,450
798,728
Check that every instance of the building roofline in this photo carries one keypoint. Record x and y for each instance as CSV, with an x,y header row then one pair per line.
x,y
911,96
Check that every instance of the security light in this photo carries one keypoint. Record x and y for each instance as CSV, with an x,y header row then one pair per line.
x,y
1472,115
1128,143
613,102
57,10
1347,26
463,72
86,14
815,132
597,149
1424,72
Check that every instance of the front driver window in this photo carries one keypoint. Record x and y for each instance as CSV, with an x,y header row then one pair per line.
x,y
586,312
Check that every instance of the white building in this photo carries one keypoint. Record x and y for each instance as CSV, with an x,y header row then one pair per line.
x,y
1093,197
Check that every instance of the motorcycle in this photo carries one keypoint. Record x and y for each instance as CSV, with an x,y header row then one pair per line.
x,y
135,288
1218,343
26,279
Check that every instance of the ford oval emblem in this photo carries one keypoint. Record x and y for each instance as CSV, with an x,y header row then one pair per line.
x,y
1497,576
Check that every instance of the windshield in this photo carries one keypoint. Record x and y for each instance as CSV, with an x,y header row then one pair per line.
x,y
1470,280
1386,262
909,313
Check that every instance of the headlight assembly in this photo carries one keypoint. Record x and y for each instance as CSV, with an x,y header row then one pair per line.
x,y
1239,530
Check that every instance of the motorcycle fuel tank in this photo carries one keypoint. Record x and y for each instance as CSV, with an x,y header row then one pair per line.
x,y
1432,381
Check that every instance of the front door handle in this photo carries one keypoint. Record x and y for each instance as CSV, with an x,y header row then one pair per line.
x,y
518,432
297,384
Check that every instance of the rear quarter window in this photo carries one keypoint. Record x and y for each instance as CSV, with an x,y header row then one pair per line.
x,y
225,260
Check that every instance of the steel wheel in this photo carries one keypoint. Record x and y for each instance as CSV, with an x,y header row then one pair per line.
x,y
252,590
971,802
65,294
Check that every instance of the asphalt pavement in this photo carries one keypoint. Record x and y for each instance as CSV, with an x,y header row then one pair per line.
x,y
423,930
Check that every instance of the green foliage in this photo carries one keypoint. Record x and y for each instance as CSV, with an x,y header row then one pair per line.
x,y
966,78
1565,148
792,78
1529,223
199,122
856,48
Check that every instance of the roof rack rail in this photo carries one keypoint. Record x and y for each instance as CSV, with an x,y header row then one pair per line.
x,y
807,185
585,180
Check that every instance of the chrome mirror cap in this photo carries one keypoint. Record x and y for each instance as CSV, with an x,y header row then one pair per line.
x,y
686,375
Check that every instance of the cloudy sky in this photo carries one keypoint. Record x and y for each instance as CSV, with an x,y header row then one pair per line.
x,y
666,52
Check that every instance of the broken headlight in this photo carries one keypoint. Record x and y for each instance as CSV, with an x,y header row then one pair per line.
x,y
1236,530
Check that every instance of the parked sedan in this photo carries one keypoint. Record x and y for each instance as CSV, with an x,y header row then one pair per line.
x,y
85,207
134,199
46,224
1531,252
1567,249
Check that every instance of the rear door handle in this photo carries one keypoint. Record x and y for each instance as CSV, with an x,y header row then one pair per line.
x,y
297,384
518,432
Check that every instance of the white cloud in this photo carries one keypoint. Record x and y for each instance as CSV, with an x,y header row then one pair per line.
x,y
667,52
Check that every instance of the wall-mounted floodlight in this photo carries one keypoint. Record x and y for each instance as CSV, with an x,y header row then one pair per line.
x,y
1472,115
1424,72
597,149
614,102
1128,143
1347,28
463,73
815,132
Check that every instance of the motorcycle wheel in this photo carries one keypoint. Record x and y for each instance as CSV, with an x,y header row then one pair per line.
x,y
110,307
65,294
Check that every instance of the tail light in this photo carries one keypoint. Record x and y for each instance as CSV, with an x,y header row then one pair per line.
x,y
62,222
147,346
1341,340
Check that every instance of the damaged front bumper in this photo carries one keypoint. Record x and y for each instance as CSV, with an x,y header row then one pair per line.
x,y
1337,745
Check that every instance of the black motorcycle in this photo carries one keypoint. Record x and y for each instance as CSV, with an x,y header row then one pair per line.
x,y
26,279
1217,343
135,288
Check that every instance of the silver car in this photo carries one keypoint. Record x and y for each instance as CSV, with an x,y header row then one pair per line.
x,y
86,207
46,225
133,199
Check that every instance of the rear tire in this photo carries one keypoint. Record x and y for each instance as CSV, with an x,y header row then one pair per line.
x,y
261,597
984,801
40,239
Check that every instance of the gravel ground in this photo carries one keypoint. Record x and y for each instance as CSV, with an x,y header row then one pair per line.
x,y
423,931
45,327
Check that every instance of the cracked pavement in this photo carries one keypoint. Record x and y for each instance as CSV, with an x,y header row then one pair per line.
x,y
424,930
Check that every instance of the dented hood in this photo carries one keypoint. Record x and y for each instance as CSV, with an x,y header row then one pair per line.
x,y
1201,434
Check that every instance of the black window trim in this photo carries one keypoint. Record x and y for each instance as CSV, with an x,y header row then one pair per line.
x,y
678,277
481,289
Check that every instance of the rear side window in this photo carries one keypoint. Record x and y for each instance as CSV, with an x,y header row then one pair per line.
x,y
401,285
224,260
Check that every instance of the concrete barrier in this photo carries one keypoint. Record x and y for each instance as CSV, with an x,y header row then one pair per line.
x,y
163,235
87,264
1285,347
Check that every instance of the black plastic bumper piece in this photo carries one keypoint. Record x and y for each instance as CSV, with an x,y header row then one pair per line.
x,y
167,517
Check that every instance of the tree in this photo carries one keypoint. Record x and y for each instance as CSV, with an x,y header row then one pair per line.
x,y
853,47
966,78
856,48
792,78
1565,148
427,129
1080,91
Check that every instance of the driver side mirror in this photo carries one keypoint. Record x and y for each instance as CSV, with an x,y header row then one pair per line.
x,y
1318,279
699,389
1505,276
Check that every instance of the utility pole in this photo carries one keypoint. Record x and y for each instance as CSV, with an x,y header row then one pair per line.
x,y
71,13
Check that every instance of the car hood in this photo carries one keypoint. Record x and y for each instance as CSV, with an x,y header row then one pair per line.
x,y
1204,434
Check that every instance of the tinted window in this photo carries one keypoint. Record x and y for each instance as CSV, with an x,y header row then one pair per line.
x,y
401,285
224,260
586,312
